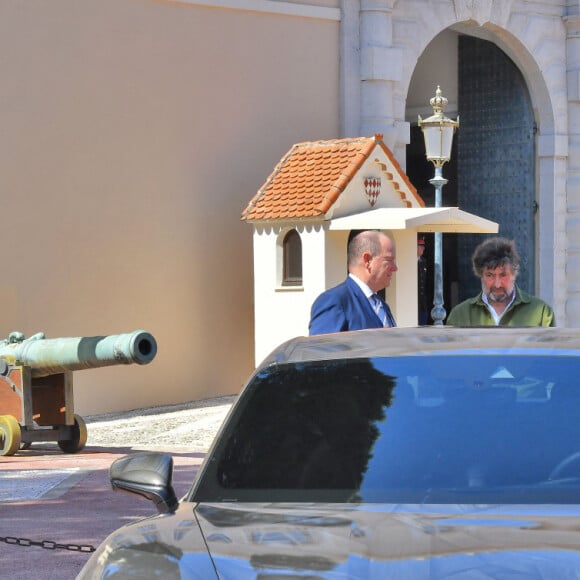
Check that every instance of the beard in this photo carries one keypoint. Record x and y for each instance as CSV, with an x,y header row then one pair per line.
x,y
500,295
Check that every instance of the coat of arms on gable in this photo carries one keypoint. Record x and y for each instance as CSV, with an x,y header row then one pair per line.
x,y
372,189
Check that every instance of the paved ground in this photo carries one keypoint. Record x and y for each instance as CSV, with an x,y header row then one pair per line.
x,y
46,495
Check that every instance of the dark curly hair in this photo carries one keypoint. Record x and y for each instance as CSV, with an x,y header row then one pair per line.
x,y
493,253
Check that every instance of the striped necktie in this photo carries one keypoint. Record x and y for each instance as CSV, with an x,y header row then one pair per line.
x,y
382,310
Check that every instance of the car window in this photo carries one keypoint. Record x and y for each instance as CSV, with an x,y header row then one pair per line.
x,y
447,429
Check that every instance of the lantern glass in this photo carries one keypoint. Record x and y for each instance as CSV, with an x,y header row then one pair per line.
x,y
438,141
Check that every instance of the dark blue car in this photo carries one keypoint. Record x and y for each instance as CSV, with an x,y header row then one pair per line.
x,y
423,453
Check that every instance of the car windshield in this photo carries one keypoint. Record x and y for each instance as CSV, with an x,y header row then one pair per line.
x,y
470,428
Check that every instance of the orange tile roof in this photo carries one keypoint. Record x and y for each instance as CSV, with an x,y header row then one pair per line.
x,y
309,179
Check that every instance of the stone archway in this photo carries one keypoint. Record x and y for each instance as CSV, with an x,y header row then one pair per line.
x,y
391,36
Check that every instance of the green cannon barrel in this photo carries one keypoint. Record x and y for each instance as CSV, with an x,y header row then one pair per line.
x,y
50,356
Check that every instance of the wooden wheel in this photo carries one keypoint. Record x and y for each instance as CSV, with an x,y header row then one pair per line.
x,y
10,435
78,437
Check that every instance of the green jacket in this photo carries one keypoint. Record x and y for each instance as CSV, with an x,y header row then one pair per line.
x,y
525,310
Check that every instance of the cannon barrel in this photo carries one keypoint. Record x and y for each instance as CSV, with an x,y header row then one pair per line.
x,y
50,356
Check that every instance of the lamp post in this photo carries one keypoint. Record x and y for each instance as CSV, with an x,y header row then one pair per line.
x,y
438,133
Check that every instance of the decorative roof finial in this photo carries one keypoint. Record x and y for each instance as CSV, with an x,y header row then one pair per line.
x,y
438,102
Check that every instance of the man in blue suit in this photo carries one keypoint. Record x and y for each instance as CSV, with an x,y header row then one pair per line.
x,y
355,304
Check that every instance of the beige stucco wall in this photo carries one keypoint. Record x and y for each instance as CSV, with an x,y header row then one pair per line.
x,y
132,134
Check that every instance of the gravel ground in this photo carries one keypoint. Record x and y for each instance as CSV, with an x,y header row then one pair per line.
x,y
190,426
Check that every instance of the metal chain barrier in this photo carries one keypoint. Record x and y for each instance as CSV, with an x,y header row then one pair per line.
x,y
47,545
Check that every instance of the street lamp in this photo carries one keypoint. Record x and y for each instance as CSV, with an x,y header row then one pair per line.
x,y
438,133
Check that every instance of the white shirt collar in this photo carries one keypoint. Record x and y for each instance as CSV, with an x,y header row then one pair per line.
x,y
366,290
497,317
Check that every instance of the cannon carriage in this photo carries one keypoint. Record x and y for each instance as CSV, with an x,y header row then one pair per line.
x,y
36,384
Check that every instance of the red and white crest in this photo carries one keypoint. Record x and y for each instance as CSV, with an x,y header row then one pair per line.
x,y
372,189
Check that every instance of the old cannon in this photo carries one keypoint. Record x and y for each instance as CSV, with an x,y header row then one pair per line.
x,y
36,384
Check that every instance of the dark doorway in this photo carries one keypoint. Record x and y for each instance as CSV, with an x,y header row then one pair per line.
x,y
492,168
496,155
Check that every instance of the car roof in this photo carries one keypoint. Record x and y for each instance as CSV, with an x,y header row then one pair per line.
x,y
426,340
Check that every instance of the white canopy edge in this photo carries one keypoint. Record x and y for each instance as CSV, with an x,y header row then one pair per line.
x,y
424,219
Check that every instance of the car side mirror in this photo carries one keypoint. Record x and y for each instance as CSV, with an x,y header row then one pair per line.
x,y
148,474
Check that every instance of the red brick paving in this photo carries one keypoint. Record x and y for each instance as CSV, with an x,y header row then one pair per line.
x,y
84,514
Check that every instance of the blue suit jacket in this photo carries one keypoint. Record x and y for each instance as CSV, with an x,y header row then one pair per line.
x,y
344,307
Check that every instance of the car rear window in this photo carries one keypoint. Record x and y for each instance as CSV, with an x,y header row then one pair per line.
x,y
450,429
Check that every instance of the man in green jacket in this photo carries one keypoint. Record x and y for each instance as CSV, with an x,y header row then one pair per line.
x,y
497,263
